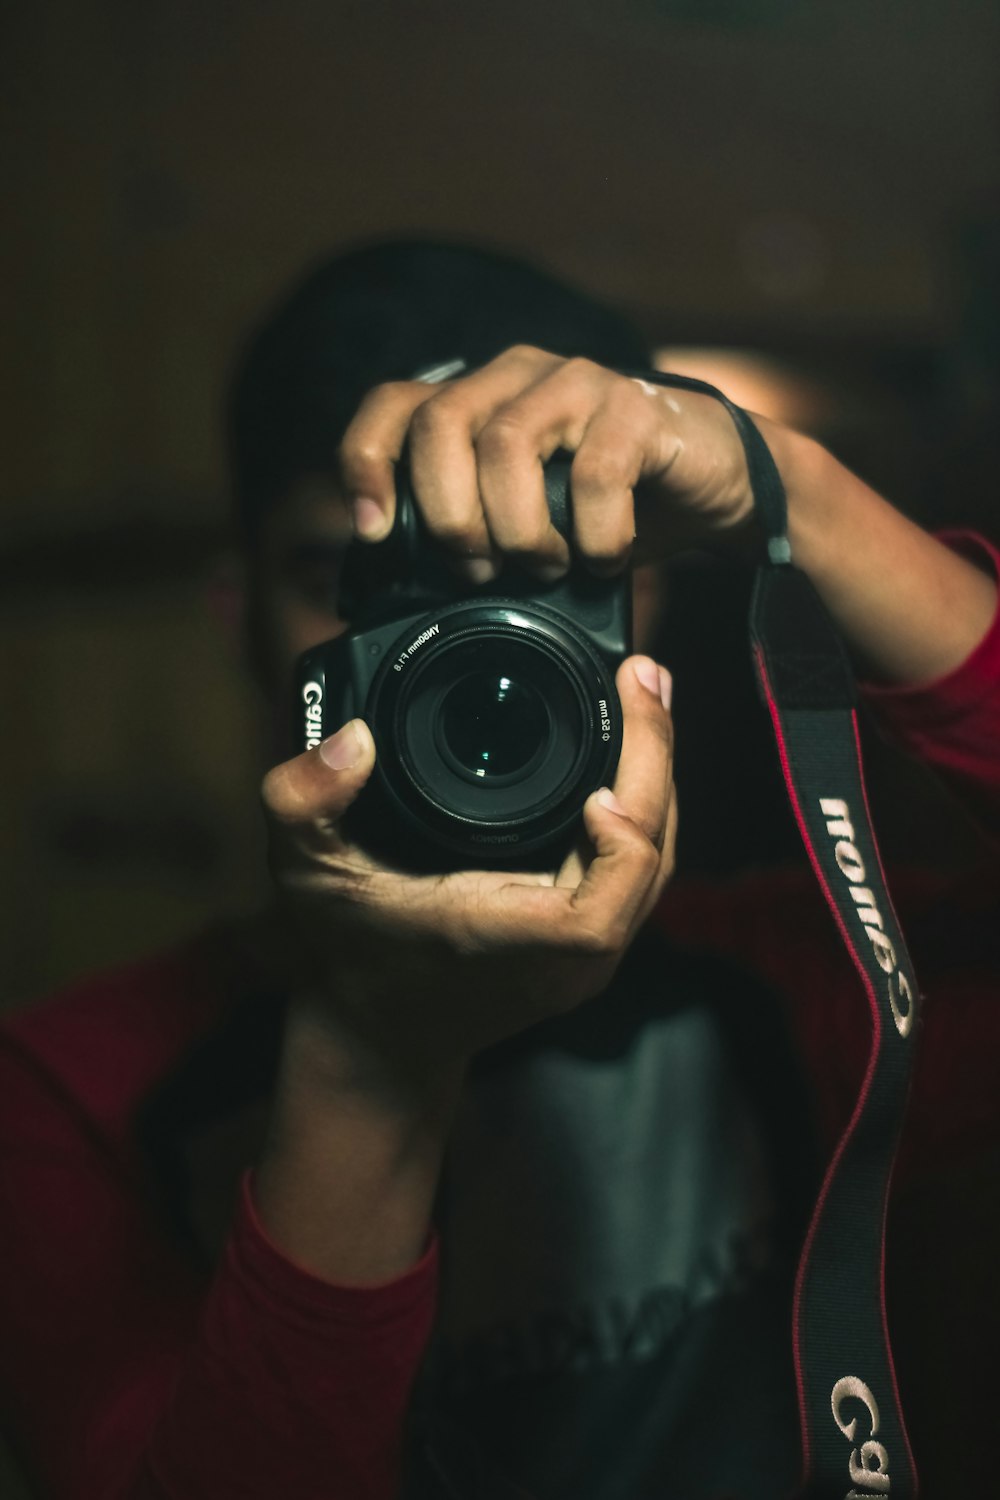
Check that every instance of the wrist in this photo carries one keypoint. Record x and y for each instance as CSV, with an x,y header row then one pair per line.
x,y
910,610
346,1182
815,491
805,467
342,1053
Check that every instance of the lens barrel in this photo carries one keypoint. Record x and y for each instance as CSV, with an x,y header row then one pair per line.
x,y
493,722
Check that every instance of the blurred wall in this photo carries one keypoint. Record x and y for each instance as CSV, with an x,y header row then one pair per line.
x,y
802,179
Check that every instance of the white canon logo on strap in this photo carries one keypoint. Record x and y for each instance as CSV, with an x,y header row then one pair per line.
x,y
869,1462
851,865
312,697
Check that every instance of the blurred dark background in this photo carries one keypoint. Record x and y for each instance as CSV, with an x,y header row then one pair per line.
x,y
811,187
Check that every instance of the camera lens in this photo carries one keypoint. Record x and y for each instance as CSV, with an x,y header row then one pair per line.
x,y
493,721
493,726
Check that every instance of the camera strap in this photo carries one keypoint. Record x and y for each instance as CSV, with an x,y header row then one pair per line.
x,y
854,1439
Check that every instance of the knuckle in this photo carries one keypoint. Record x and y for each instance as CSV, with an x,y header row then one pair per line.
x,y
523,354
435,417
652,825
361,451
594,942
501,435
579,368
605,940
643,858
647,860
377,407
281,798
602,469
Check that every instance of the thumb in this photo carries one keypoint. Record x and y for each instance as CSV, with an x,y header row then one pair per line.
x,y
321,784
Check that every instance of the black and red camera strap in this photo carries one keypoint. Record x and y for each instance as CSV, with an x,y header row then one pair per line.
x,y
854,1439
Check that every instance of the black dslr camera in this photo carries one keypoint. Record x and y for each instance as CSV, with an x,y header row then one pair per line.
x,y
493,709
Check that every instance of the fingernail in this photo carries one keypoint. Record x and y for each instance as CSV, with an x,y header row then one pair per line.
x,y
342,749
648,674
666,686
550,572
479,569
369,519
606,797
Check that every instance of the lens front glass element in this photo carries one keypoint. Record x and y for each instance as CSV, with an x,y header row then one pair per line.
x,y
493,725
490,727
492,721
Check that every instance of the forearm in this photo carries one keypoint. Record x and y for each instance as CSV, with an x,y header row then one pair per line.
x,y
910,609
347,1180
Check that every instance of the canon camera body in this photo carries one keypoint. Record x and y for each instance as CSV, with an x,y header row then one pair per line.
x,y
493,709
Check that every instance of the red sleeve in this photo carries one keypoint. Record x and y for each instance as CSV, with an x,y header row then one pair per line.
x,y
953,724
293,1386
125,1378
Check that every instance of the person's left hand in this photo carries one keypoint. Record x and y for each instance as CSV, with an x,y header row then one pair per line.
x,y
412,972
476,446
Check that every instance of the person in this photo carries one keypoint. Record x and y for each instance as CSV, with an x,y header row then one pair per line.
x,y
522,1155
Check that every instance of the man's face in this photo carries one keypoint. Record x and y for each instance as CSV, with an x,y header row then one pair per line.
x,y
295,575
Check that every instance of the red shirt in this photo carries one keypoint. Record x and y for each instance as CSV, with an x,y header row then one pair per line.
x,y
127,1373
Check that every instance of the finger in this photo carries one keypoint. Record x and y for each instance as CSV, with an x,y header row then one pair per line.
x,y
511,449
371,448
667,863
445,484
316,788
443,453
596,919
574,866
620,443
613,896
644,779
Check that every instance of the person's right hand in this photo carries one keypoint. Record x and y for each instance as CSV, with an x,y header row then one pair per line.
x,y
420,972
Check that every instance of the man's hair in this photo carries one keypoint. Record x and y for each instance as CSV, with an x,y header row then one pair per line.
x,y
383,312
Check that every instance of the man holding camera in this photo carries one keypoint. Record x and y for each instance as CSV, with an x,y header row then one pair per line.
x,y
529,1076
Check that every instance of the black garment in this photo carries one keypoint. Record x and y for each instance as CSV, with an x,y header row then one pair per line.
x,y
626,1193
